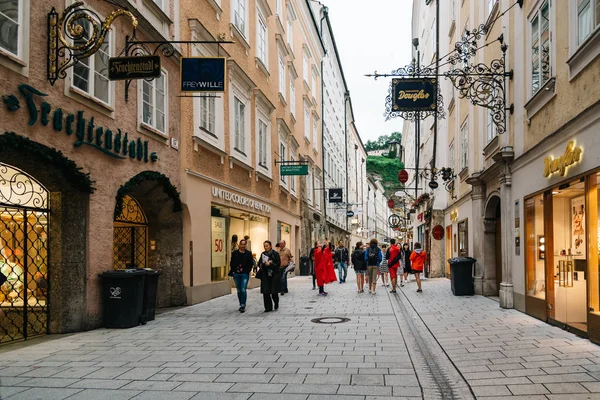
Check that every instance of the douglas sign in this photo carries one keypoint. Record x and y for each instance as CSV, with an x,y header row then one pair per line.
x,y
414,94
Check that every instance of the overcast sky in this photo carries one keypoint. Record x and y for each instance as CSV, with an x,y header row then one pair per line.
x,y
371,35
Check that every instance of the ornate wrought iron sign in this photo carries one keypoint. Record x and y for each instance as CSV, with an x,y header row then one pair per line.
x,y
140,67
335,195
414,94
203,74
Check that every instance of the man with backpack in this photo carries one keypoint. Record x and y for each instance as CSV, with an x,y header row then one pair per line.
x,y
342,258
393,257
373,257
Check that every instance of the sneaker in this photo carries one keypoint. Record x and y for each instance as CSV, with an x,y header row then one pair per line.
x,y
401,284
392,291
277,306
242,309
314,288
419,290
323,294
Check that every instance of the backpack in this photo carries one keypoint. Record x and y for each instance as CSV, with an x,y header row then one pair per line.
x,y
373,256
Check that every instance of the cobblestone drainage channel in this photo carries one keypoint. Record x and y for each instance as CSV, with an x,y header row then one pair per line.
x,y
330,320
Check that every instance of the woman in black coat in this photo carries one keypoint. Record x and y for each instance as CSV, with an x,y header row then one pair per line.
x,y
270,276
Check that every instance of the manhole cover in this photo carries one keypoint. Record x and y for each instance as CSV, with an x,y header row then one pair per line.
x,y
330,320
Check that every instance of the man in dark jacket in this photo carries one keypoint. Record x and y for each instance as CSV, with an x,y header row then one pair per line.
x,y
240,266
342,257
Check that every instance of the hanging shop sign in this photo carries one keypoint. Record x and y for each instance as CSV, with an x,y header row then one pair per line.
x,y
572,155
203,74
438,232
454,215
414,94
140,67
114,144
335,195
288,170
350,214
391,203
238,199
394,220
403,176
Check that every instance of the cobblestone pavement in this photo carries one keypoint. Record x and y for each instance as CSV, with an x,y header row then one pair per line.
x,y
428,345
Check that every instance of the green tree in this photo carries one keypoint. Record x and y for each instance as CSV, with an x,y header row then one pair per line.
x,y
382,141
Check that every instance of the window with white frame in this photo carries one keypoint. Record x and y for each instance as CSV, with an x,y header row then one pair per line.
x,y
282,150
541,68
464,146
491,130
290,33
588,18
309,186
11,26
314,134
451,156
306,122
314,85
207,114
154,102
239,15
452,10
292,178
293,96
279,9
319,185
305,67
261,38
490,6
159,3
240,125
263,137
282,75
91,74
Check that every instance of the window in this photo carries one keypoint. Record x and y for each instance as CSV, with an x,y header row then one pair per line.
x,y
452,10
154,100
535,247
451,155
290,33
159,3
293,97
463,238
305,67
306,122
279,8
309,186
314,85
588,18
239,15
207,114
91,74
491,129
490,6
292,178
314,140
282,75
262,144
261,39
282,158
540,48
11,21
240,121
464,146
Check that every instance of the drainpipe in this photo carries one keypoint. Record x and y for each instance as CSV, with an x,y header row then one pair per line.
x,y
346,97
324,10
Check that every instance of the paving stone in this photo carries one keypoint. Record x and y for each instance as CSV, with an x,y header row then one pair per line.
x,y
44,394
481,391
328,379
557,388
257,387
367,379
365,390
99,384
203,387
310,389
49,382
101,394
288,378
151,385
219,396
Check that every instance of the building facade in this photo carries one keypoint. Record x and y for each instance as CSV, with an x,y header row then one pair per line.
x,y
89,181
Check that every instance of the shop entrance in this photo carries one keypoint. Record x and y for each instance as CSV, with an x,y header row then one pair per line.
x,y
130,236
492,242
24,211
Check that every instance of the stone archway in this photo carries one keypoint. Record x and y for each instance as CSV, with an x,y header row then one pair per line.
x,y
492,246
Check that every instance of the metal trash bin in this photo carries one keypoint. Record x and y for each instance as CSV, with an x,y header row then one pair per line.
x,y
123,297
304,266
150,291
461,276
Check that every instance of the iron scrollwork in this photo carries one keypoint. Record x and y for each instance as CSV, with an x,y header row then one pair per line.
x,y
76,34
439,112
19,190
466,47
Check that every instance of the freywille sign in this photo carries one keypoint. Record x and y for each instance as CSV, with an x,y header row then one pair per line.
x,y
203,74
141,67
335,195
572,155
117,145
414,94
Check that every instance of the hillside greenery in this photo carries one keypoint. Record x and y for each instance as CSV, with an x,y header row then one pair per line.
x,y
385,170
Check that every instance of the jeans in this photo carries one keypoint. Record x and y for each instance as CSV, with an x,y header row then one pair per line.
x,y
284,287
241,282
342,267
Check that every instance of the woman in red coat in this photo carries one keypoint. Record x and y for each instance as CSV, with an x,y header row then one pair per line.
x,y
324,267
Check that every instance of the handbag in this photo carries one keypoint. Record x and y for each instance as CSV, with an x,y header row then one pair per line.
x,y
259,274
290,267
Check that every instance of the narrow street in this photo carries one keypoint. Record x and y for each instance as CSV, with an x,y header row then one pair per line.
x,y
430,345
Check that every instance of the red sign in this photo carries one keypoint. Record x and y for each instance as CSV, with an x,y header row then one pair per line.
x,y
391,203
438,232
403,176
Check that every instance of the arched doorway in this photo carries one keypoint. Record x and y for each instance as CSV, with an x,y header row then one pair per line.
x,y
130,236
492,242
24,212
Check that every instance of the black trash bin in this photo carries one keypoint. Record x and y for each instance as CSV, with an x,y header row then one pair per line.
x,y
123,296
304,266
150,289
461,276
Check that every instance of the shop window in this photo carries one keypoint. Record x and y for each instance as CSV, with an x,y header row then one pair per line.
x,y
594,244
154,104
11,21
90,75
535,247
540,48
463,238
130,236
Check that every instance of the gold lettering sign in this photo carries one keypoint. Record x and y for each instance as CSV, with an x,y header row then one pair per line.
x,y
413,95
572,155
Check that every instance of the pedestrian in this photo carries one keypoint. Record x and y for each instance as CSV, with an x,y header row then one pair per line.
x,y
323,266
365,247
358,261
240,266
286,256
373,258
234,243
417,259
383,267
342,257
405,262
255,266
393,256
248,243
311,257
270,277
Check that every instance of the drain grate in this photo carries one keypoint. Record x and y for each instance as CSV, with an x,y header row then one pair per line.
x,y
330,320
